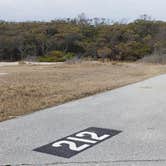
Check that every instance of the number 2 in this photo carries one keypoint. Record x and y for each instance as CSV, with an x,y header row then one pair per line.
x,y
72,145
93,135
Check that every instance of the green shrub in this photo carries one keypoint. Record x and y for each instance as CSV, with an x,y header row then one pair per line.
x,y
69,56
46,59
132,50
56,56
53,56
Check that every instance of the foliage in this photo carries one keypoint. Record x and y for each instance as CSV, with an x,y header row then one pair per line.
x,y
56,56
132,50
69,56
60,40
104,52
53,56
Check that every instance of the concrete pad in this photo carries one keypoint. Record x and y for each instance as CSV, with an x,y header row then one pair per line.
x,y
138,110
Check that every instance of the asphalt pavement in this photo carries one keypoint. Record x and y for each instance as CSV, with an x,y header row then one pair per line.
x,y
122,127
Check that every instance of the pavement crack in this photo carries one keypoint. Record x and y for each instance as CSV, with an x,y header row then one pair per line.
x,y
89,162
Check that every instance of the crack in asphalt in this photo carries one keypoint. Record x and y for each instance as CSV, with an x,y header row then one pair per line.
x,y
89,162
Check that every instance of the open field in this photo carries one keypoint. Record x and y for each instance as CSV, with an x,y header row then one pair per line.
x,y
28,88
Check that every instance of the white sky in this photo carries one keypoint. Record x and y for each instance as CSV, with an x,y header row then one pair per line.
x,y
23,10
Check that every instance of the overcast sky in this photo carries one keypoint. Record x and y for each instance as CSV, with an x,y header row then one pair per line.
x,y
23,10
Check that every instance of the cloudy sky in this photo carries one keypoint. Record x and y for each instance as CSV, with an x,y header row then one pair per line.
x,y
23,10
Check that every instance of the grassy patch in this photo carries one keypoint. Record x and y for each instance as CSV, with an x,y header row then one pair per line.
x,y
28,88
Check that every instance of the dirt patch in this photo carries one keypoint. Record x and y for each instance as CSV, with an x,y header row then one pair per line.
x,y
28,88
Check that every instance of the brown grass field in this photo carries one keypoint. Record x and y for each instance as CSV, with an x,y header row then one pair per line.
x,y
28,88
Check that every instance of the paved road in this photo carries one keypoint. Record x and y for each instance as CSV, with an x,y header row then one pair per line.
x,y
138,110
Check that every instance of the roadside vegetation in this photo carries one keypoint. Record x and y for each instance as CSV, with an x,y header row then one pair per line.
x,y
28,88
99,56
60,40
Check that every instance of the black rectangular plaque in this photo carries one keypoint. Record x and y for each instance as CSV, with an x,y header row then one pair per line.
x,y
72,145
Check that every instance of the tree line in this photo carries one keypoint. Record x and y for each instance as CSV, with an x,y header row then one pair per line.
x,y
59,40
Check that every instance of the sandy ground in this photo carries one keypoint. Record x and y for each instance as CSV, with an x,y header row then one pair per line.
x,y
8,64
28,63
1,74
31,87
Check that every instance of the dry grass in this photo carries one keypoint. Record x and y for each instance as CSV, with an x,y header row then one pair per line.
x,y
28,88
155,59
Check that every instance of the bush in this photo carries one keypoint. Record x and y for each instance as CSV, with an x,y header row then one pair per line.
x,y
69,56
104,52
132,51
56,56
92,38
53,56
